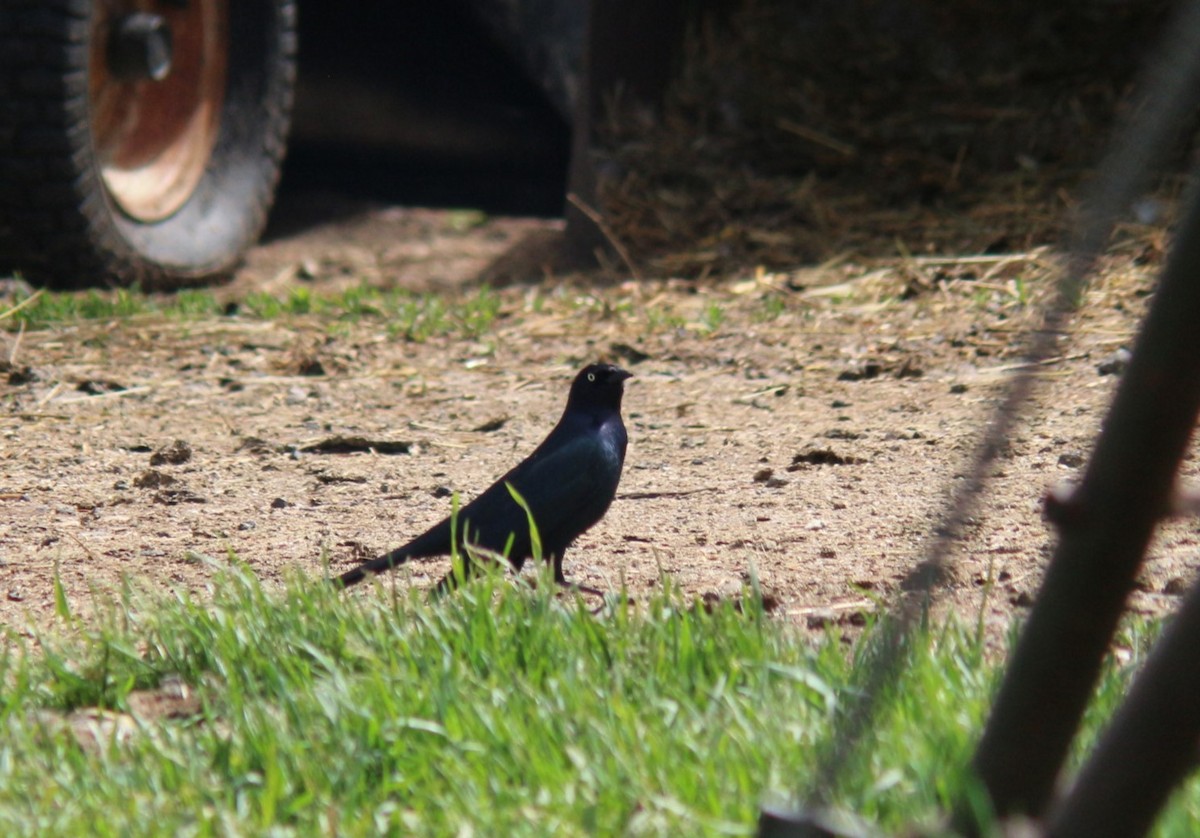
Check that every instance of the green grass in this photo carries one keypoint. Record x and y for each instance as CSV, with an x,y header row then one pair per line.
x,y
712,318
405,315
415,317
771,307
52,307
662,319
497,709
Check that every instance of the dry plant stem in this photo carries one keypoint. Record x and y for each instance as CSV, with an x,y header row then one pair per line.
x,y
1150,747
1003,757
12,352
1126,488
887,654
1105,527
28,301
595,217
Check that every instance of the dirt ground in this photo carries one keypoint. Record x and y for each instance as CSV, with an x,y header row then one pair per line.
x,y
803,425
804,421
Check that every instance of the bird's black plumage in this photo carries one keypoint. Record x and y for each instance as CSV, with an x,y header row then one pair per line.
x,y
568,483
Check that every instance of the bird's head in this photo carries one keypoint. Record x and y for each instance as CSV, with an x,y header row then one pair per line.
x,y
598,385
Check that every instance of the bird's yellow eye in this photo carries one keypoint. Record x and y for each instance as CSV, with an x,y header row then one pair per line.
x,y
591,376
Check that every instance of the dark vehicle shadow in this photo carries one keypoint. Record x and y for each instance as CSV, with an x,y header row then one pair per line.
x,y
414,105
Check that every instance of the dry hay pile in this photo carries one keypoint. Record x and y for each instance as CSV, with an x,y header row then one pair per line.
x,y
799,132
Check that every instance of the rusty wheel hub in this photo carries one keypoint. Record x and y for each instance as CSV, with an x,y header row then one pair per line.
x,y
156,85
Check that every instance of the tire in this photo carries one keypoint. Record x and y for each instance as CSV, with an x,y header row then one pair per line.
x,y
109,176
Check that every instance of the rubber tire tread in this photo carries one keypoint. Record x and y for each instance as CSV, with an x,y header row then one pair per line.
x,y
58,225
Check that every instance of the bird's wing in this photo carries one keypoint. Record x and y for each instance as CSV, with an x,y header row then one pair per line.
x,y
568,489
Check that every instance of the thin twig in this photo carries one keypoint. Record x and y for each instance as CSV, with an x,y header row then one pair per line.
x,y
818,137
50,395
598,220
981,259
82,546
12,353
25,302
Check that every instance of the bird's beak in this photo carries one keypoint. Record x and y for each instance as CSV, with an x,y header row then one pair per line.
x,y
622,375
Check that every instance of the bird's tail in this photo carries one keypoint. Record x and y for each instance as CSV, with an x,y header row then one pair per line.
x,y
435,542
385,562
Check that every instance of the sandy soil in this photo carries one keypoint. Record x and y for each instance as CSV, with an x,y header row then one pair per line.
x,y
806,426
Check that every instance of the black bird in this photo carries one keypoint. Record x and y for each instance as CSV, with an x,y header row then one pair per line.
x,y
568,483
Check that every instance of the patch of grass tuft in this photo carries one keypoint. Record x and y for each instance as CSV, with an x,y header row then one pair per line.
x,y
416,317
712,318
498,709
771,308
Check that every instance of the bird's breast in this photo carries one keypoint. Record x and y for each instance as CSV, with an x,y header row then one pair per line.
x,y
614,440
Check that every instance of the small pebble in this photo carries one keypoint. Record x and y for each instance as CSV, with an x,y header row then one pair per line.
x,y
1115,364
177,453
1175,587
